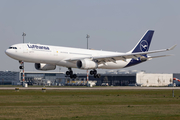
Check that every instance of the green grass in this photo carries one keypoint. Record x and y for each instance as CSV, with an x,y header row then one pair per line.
x,y
89,104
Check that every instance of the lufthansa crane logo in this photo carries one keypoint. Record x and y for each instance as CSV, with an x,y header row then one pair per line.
x,y
144,46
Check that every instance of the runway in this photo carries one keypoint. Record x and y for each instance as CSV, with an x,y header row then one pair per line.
x,y
92,88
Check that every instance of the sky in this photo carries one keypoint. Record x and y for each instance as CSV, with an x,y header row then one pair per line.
x,y
113,25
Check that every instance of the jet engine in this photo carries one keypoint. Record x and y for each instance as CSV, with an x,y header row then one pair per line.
x,y
86,64
43,66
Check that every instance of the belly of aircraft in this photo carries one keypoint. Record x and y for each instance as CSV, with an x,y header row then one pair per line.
x,y
114,65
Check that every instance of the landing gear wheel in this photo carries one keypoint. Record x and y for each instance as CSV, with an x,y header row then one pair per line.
x,y
21,67
98,75
95,76
74,76
94,72
67,73
70,74
91,72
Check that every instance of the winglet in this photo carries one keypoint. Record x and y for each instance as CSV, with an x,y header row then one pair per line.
x,y
172,47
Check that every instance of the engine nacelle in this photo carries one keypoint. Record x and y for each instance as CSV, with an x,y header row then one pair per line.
x,y
86,64
43,66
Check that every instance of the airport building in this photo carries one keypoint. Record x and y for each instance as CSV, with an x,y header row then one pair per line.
x,y
44,78
7,77
119,78
134,79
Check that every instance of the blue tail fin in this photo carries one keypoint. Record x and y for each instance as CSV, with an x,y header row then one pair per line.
x,y
144,43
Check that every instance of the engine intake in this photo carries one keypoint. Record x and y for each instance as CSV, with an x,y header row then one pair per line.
x,y
43,66
86,64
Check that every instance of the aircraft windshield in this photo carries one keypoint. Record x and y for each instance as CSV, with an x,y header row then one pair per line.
x,y
12,47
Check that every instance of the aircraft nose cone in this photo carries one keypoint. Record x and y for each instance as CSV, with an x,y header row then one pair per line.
x,y
7,52
11,53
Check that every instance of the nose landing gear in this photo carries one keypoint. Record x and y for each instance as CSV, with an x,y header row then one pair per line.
x,y
21,65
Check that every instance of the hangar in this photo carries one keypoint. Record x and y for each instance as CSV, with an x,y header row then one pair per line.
x,y
112,79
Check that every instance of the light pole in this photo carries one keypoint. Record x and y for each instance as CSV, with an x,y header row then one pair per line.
x,y
87,39
24,34
87,48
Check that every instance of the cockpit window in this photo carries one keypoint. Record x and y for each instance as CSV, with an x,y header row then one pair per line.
x,y
12,47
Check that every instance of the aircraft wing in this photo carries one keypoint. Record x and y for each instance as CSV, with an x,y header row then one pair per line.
x,y
122,56
125,56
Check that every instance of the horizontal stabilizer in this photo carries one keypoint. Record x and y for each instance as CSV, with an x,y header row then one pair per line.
x,y
158,56
172,47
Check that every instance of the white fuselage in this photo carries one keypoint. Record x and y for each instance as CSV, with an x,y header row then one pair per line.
x,y
47,57
36,53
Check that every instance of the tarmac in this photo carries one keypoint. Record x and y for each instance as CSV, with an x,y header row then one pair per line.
x,y
92,88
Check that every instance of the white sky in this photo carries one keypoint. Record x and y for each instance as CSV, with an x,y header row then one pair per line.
x,y
114,25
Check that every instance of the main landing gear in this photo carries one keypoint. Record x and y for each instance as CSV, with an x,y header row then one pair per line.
x,y
94,72
70,73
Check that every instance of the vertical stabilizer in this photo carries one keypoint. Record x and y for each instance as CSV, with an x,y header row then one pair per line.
x,y
144,43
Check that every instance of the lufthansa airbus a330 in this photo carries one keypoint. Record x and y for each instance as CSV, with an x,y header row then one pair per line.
x,y
46,57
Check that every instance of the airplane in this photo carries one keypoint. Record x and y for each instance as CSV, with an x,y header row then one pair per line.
x,y
47,57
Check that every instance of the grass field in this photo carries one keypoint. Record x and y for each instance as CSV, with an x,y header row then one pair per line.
x,y
89,104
